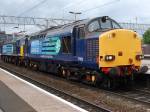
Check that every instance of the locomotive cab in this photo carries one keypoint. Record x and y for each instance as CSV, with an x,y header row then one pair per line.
x,y
120,50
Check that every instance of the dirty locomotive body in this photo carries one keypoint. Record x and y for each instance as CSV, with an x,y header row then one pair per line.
x,y
97,52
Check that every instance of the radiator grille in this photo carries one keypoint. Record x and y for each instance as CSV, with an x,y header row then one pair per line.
x,y
92,49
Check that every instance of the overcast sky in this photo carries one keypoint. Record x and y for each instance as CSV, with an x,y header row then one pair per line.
x,y
120,10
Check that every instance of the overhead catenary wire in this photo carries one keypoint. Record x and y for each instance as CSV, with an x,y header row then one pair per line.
x,y
96,7
99,6
71,4
74,3
30,9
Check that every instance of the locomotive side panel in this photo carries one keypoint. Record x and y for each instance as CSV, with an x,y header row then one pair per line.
x,y
9,49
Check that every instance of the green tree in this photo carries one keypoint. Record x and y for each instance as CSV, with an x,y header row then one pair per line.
x,y
146,37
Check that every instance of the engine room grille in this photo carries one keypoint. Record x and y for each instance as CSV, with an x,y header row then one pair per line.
x,y
92,49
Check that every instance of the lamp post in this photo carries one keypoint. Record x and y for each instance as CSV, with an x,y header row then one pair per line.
x,y
16,27
75,14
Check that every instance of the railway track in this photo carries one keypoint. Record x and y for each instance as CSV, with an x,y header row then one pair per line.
x,y
137,95
75,98
146,93
91,107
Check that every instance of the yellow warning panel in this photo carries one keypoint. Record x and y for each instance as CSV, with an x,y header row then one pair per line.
x,y
123,45
22,50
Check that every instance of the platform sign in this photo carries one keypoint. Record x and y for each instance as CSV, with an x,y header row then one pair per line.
x,y
7,49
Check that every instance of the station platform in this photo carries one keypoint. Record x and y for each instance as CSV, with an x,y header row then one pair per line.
x,y
17,95
148,72
146,63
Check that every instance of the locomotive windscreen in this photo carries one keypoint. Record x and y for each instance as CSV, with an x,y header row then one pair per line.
x,y
99,24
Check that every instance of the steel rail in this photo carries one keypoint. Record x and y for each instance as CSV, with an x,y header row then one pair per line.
x,y
91,107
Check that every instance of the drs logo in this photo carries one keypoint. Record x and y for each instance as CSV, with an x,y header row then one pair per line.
x,y
46,46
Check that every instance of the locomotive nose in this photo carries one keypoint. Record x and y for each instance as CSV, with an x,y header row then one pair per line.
x,y
119,47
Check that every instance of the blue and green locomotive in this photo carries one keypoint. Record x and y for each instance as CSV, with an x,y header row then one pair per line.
x,y
96,51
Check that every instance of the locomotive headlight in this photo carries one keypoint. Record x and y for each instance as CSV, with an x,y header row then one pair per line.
x,y
139,57
109,57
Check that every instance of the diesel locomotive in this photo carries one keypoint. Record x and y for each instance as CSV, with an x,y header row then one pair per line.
x,y
95,51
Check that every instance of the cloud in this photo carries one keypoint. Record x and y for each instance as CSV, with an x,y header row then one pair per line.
x,y
123,10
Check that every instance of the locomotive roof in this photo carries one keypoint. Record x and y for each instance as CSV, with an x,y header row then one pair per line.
x,y
67,28
60,28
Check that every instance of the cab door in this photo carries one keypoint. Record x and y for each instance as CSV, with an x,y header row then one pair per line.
x,y
80,41
75,36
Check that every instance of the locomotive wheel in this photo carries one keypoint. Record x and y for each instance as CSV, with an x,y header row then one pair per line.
x,y
62,72
59,71
68,74
98,79
15,62
130,83
109,83
35,67
106,84
25,64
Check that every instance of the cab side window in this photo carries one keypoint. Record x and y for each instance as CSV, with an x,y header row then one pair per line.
x,y
94,26
66,44
81,32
